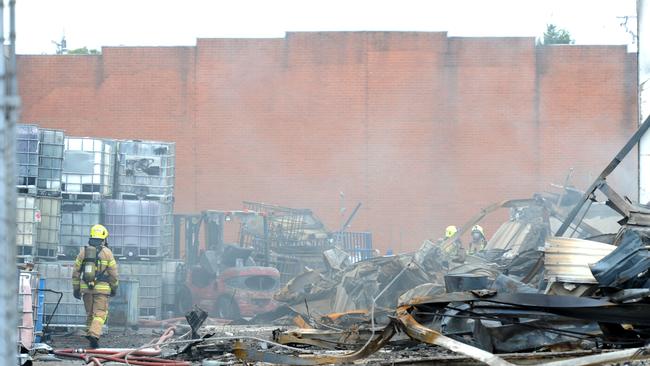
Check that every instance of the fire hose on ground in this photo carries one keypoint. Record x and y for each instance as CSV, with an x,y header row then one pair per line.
x,y
143,356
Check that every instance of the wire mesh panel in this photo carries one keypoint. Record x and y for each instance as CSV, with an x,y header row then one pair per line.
x,y
134,227
27,154
145,170
25,224
284,226
50,162
77,217
286,238
47,242
357,244
88,166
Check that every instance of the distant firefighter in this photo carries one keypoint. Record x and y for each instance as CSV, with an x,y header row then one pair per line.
x,y
478,242
455,248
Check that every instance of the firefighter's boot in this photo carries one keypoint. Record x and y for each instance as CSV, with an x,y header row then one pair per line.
x,y
93,342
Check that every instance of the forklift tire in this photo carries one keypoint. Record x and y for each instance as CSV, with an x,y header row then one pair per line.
x,y
227,308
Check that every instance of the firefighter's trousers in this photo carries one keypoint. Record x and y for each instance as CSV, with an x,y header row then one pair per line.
x,y
96,312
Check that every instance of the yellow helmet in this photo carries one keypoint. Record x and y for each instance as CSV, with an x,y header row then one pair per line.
x,y
450,231
98,232
478,228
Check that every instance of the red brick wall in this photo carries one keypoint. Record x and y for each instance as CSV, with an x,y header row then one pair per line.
x,y
423,129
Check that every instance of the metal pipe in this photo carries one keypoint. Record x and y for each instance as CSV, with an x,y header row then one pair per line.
x,y
603,358
352,215
8,272
643,62
579,222
633,141
145,352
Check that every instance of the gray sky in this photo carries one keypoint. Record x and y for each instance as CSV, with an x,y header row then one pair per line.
x,y
94,23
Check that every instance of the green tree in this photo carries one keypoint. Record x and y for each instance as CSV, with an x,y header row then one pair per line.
x,y
83,51
555,35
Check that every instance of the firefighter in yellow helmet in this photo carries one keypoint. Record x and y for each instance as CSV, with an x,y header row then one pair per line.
x,y
478,242
450,231
95,278
454,248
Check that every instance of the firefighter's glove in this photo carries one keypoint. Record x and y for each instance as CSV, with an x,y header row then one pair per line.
x,y
77,294
113,291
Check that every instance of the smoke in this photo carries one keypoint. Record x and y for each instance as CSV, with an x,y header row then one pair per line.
x,y
422,129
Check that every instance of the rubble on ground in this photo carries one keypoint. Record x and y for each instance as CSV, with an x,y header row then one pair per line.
x,y
587,303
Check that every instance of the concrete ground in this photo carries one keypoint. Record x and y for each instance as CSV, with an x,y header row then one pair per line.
x,y
404,354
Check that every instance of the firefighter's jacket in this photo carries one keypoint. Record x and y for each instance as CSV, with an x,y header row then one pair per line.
x,y
477,246
106,277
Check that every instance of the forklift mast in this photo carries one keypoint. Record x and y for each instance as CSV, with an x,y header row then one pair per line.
x,y
214,223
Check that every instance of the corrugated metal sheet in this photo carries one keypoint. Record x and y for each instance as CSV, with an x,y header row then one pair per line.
x,y
510,236
568,259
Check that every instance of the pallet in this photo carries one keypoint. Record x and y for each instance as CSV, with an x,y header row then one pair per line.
x,y
149,312
50,254
27,190
147,197
136,254
27,181
48,193
24,250
74,196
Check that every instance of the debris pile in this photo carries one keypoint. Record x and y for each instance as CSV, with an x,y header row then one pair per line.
x,y
291,239
526,291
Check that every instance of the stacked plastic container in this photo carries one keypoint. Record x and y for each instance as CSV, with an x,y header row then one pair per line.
x,y
25,225
50,162
87,179
88,168
140,218
27,174
146,172
48,227
68,184
27,157
77,217
40,159
48,187
134,227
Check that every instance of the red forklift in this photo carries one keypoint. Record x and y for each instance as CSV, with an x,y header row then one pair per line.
x,y
221,278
